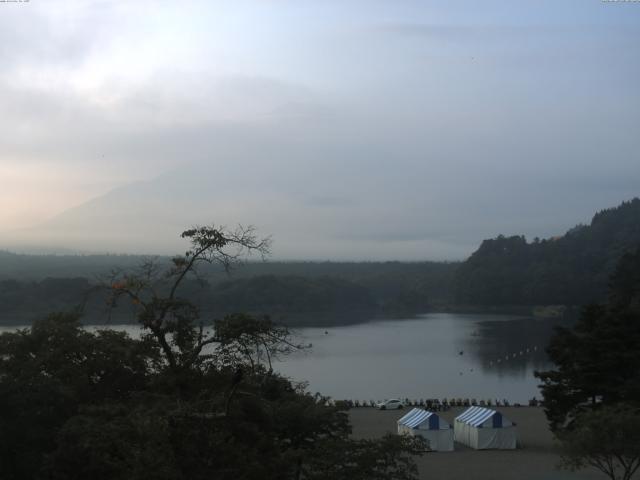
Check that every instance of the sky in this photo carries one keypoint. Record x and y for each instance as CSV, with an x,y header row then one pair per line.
x,y
345,129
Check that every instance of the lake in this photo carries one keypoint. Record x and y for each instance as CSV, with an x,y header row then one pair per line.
x,y
434,355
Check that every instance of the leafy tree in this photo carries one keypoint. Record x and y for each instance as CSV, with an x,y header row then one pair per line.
x,y
154,292
172,405
49,371
113,442
607,439
244,339
389,457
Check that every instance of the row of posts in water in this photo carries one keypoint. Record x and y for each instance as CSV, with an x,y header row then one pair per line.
x,y
436,405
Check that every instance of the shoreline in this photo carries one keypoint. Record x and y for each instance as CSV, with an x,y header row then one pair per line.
x,y
326,319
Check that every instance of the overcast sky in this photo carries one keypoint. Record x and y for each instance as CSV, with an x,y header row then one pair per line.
x,y
347,129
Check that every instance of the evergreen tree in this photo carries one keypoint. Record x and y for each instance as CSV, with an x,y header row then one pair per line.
x,y
598,360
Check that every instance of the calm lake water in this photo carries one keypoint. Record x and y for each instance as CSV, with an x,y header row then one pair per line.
x,y
432,356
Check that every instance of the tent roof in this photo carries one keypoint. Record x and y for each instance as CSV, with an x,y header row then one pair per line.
x,y
415,418
475,416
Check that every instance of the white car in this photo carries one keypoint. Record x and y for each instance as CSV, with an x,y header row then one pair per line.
x,y
392,404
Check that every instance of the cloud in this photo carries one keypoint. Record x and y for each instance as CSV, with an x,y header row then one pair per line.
x,y
414,134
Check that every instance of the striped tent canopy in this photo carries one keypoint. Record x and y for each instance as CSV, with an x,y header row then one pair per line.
x,y
482,428
477,416
421,418
428,425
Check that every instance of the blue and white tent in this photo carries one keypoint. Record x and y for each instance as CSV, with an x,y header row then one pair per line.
x,y
430,426
482,428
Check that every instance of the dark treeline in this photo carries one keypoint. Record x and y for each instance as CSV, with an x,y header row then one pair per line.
x,y
37,267
22,301
374,274
570,270
282,289
506,271
288,294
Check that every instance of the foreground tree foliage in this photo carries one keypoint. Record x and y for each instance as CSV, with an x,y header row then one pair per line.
x,y
48,372
389,457
598,360
181,402
592,398
607,439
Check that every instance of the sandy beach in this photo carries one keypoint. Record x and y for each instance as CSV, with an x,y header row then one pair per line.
x,y
534,459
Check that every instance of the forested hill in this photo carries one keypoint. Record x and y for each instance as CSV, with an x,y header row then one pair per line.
x,y
572,269
32,286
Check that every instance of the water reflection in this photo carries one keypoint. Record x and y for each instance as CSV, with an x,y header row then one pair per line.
x,y
435,355
513,346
